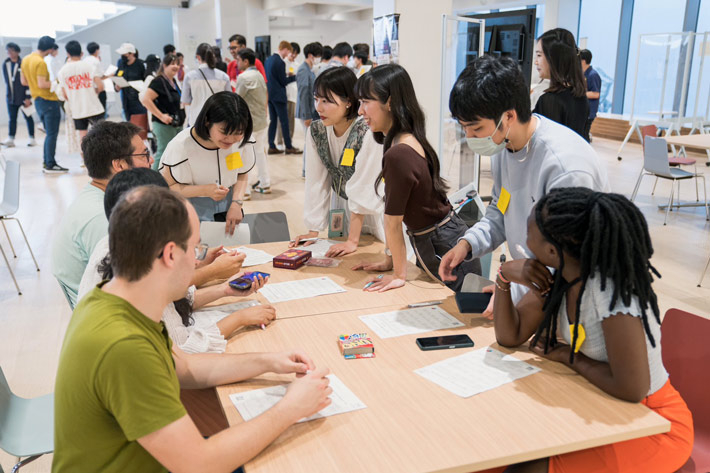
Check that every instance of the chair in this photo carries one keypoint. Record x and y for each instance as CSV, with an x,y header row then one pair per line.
x,y
677,160
268,227
655,163
212,233
8,207
26,425
685,351
704,271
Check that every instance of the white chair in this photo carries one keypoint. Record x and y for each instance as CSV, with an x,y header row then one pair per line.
x,y
8,207
655,163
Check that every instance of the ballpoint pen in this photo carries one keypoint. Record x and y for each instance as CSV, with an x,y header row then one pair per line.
x,y
373,282
424,304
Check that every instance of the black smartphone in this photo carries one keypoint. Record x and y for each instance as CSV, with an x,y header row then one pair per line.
x,y
445,342
472,302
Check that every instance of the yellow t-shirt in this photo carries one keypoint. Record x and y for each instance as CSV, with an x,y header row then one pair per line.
x,y
33,66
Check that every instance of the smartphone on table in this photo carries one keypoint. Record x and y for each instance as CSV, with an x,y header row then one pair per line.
x,y
445,342
244,282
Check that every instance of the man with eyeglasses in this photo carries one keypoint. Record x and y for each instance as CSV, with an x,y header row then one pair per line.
x,y
238,42
107,149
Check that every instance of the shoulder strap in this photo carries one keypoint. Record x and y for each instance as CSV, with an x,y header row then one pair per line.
x,y
208,82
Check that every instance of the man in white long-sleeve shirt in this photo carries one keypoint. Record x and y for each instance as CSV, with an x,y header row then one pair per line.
x,y
529,156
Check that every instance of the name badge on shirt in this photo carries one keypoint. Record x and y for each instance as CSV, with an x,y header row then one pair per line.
x,y
348,157
234,161
120,73
336,223
503,200
581,335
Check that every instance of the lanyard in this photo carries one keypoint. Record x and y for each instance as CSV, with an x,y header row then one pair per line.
x,y
12,74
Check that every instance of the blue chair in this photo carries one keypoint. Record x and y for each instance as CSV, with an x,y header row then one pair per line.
x,y
26,425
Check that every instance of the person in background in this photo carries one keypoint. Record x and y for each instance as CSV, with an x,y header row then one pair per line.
x,y
335,181
119,376
209,162
80,83
252,88
342,52
94,58
203,83
35,75
565,101
221,65
324,60
415,192
17,95
597,315
54,63
305,79
360,58
277,80
365,48
168,49
594,87
291,91
181,69
237,42
107,149
205,331
162,99
131,68
152,64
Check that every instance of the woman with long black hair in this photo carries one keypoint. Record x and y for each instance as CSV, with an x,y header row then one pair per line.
x,y
415,192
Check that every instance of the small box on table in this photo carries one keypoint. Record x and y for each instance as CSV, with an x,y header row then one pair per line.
x,y
292,259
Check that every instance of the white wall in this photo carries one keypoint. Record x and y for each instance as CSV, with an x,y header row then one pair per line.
x,y
192,26
326,32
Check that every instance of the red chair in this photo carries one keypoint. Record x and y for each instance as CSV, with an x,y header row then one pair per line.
x,y
677,160
684,339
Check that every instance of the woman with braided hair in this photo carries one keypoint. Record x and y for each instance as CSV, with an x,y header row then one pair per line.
x,y
600,302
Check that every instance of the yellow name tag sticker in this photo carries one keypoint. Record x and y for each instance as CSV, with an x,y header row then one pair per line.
x,y
348,157
503,200
234,161
120,73
581,335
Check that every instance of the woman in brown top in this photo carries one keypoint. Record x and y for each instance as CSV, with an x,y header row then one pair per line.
x,y
415,193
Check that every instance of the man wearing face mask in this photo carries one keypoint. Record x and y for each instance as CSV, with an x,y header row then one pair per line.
x,y
530,155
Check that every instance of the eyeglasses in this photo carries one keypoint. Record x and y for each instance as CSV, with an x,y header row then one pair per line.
x,y
145,155
201,251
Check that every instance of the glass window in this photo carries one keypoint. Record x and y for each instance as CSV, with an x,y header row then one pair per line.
x,y
599,32
698,104
649,16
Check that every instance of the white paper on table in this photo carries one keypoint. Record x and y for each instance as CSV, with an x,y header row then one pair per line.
x,y
139,85
254,257
251,404
319,248
213,234
476,371
216,313
410,321
120,81
110,70
301,289
28,111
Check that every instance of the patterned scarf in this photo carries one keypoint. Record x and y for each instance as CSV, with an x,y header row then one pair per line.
x,y
339,174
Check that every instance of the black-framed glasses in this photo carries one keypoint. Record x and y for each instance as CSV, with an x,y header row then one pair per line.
x,y
145,155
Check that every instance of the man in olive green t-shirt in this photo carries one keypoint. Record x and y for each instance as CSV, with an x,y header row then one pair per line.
x,y
117,394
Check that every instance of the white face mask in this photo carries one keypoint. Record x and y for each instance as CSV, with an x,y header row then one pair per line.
x,y
486,146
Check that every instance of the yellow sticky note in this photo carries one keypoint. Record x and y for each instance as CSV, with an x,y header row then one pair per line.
x,y
348,157
290,69
503,200
234,161
120,73
581,335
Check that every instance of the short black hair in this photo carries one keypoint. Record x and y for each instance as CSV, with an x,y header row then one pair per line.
x,y
338,81
361,55
168,48
296,48
55,47
342,49
586,55
73,48
105,142
229,109
489,87
364,47
92,47
239,39
45,43
127,180
314,49
13,46
327,53
248,55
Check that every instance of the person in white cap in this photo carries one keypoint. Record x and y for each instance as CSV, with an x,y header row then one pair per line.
x,y
131,68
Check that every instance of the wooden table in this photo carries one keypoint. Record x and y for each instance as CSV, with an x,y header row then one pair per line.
x,y
419,287
412,425
700,141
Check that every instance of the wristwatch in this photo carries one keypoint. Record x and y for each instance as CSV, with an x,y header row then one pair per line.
x,y
237,201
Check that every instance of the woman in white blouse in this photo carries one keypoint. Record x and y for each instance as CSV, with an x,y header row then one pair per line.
x,y
342,164
208,163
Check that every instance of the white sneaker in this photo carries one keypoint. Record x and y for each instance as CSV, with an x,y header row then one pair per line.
x,y
32,142
9,143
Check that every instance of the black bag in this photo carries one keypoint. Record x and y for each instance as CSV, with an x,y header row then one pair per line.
x,y
179,117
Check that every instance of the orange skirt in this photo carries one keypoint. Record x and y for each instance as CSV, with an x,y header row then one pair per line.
x,y
662,453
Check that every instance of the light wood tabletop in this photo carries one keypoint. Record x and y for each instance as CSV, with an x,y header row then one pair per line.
x,y
419,287
413,425
701,141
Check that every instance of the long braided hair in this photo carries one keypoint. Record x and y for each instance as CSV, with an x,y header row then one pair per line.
x,y
609,236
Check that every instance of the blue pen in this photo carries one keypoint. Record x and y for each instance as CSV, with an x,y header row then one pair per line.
x,y
373,282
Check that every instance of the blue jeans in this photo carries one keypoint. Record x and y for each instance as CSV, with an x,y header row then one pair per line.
x,y
278,109
12,111
48,111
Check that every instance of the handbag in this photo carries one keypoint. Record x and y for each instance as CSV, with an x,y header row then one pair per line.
x,y
179,117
